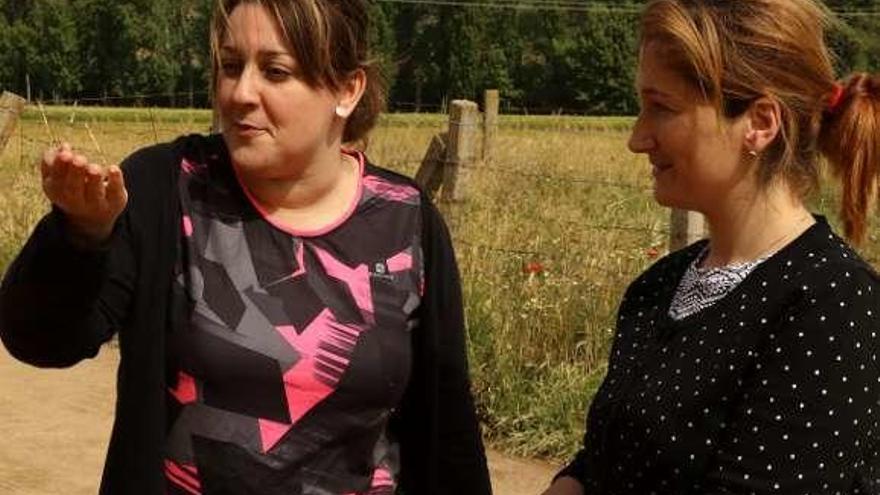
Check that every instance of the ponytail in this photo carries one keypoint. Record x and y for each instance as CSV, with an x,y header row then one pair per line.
x,y
849,138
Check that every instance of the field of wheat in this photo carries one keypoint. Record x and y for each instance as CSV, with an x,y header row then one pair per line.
x,y
555,227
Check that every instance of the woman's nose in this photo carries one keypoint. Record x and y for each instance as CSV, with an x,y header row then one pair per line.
x,y
246,87
641,139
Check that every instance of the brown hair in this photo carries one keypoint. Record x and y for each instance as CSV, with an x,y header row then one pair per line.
x,y
738,51
328,38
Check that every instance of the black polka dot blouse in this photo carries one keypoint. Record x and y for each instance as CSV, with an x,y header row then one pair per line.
x,y
771,390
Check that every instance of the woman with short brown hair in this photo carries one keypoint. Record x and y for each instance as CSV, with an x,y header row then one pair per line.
x,y
289,314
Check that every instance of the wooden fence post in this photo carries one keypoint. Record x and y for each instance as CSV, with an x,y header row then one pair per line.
x,y
11,106
685,228
430,173
490,124
460,151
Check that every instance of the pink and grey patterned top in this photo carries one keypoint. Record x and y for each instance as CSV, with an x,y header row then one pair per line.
x,y
294,347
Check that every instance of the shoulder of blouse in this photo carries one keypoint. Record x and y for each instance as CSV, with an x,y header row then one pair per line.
x,y
825,256
667,269
152,162
149,168
371,168
823,275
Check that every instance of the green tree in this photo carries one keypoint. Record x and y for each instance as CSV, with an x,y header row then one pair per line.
x,y
461,57
542,74
420,48
156,67
20,57
108,47
7,70
195,51
54,66
603,64
382,40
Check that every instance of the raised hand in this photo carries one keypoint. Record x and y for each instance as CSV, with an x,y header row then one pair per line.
x,y
91,196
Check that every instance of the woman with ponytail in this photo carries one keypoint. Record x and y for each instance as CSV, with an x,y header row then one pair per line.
x,y
746,363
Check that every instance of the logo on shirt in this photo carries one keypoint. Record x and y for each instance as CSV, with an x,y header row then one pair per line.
x,y
380,270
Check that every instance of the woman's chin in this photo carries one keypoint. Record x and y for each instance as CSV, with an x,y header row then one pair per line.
x,y
663,198
245,157
667,199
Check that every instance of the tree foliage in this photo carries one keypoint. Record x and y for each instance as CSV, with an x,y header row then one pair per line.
x,y
155,52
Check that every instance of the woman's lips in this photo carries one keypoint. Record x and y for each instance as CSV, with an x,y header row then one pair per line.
x,y
659,168
247,130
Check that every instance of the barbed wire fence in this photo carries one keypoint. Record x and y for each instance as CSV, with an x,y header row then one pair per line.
x,y
445,171
451,159
446,167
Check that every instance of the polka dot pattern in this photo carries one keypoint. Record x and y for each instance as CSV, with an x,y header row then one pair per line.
x,y
771,390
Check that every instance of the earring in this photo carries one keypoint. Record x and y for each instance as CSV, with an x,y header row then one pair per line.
x,y
753,153
341,112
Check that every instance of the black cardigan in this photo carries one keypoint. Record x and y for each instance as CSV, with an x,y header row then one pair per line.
x,y
59,304
772,390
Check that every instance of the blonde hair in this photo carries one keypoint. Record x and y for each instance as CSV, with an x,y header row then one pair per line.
x,y
329,39
738,51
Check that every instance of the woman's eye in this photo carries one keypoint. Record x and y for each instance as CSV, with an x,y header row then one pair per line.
x,y
230,68
660,107
277,73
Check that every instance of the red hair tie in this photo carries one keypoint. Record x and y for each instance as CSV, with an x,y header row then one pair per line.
x,y
835,98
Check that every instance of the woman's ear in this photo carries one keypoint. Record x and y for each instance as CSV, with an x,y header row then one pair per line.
x,y
348,96
763,124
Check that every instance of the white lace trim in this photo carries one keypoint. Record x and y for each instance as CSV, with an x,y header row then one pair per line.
x,y
700,288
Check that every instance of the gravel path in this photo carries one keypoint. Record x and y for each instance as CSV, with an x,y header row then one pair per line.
x,y
54,426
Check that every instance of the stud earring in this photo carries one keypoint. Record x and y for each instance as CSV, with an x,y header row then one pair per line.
x,y
753,153
341,111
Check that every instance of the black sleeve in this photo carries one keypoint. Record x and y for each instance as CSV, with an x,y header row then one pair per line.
x,y
809,414
462,456
442,450
58,302
576,468
583,466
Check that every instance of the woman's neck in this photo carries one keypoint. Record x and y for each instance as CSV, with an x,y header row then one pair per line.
x,y
755,225
308,196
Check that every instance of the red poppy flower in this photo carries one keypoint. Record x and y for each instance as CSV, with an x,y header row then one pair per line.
x,y
533,267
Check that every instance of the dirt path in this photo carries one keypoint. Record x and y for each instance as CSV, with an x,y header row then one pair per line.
x,y
54,426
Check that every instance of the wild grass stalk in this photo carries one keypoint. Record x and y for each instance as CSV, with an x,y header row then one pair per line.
x,y
555,229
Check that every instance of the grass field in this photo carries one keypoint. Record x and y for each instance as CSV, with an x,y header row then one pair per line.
x,y
555,228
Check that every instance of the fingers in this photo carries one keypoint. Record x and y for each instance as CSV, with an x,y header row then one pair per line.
x,y
116,194
93,186
91,196
81,188
62,153
47,161
72,180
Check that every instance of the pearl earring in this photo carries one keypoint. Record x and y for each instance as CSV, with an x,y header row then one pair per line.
x,y
341,111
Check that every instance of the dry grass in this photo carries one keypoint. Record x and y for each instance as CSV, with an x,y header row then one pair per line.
x,y
555,228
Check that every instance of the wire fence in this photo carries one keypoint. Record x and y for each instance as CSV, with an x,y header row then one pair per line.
x,y
200,100
536,263
514,170
160,128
